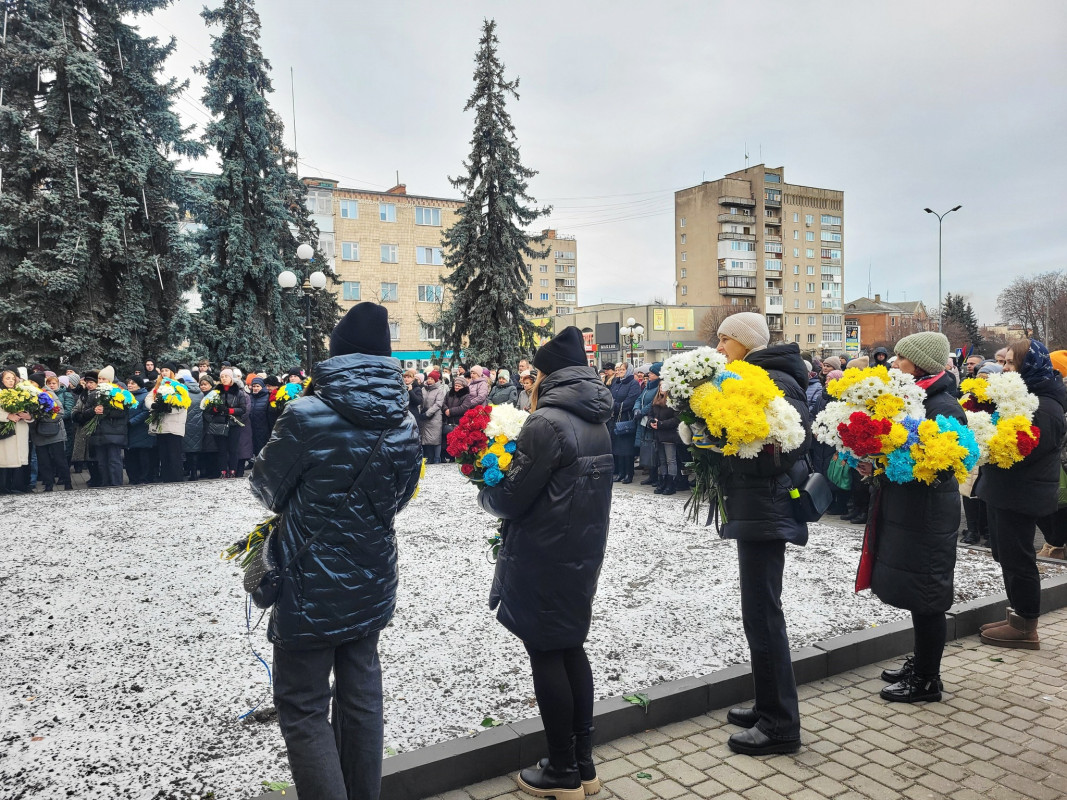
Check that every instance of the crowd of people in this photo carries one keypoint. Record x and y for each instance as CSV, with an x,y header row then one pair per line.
x,y
132,445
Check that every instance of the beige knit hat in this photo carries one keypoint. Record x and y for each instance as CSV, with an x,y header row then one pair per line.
x,y
927,350
859,362
107,374
833,362
747,328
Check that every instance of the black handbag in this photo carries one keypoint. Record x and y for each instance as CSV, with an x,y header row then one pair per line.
x,y
811,497
625,427
263,577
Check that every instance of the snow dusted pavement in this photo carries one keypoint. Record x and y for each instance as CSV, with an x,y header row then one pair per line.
x,y
126,664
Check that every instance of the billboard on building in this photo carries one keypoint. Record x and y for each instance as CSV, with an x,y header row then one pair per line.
x,y
852,340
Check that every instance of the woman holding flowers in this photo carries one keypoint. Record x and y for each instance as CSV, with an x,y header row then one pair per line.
x,y
15,444
916,524
555,498
167,422
104,421
48,435
230,411
760,516
1017,496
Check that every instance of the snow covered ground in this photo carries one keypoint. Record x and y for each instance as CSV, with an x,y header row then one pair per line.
x,y
126,664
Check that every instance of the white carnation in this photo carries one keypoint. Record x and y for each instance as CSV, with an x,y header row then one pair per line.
x,y
505,420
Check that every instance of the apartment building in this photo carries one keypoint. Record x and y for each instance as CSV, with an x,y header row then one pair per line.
x,y
555,277
752,241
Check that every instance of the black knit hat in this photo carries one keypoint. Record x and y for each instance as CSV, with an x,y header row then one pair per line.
x,y
38,378
364,329
171,365
566,349
91,375
272,380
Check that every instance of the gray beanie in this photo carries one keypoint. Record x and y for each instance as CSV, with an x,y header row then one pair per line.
x,y
990,368
927,350
747,328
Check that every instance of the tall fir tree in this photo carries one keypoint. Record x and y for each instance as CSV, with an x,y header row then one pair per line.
x,y
488,282
256,216
957,310
92,258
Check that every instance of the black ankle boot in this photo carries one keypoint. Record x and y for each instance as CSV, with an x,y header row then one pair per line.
x,y
897,675
668,485
583,753
559,778
661,484
914,689
651,480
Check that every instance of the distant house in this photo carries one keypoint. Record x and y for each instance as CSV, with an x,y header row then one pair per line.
x,y
883,324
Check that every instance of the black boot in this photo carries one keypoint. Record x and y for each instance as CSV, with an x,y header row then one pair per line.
x,y
914,689
651,480
668,484
681,483
559,778
897,675
661,484
583,753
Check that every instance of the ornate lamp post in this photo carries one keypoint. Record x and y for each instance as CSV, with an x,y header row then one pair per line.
x,y
316,280
632,335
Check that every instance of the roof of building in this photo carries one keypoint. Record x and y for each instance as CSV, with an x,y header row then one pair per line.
x,y
865,305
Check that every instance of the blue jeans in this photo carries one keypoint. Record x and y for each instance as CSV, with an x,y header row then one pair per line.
x,y
761,567
432,453
342,761
109,461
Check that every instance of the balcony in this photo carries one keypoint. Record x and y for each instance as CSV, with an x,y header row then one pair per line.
x,y
739,237
737,291
744,219
770,291
747,272
775,324
730,200
777,268
770,220
774,305
772,237
773,203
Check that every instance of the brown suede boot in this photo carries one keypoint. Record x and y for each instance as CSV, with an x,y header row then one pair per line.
x,y
990,625
1018,632
1058,552
1046,548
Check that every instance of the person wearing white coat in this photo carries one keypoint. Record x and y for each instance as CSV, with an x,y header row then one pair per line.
x,y
15,449
170,430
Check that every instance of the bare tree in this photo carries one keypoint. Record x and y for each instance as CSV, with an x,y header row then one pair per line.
x,y
1020,302
708,329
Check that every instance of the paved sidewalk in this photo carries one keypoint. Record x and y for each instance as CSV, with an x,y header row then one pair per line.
x,y
1000,733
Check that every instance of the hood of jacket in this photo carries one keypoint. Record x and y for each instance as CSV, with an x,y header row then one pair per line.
x,y
578,390
884,351
368,391
784,358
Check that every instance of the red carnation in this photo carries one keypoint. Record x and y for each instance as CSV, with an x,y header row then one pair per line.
x,y
860,434
1026,442
466,469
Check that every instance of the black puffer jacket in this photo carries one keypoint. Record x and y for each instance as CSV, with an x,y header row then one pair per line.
x,y
1031,486
344,586
112,427
557,499
916,525
758,505
666,430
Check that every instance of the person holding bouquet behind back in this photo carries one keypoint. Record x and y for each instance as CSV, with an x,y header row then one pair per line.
x,y
916,524
759,514
352,425
555,499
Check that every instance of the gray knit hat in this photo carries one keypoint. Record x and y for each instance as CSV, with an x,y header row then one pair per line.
x,y
747,328
927,350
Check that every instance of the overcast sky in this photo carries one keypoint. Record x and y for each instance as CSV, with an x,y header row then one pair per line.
x,y
901,105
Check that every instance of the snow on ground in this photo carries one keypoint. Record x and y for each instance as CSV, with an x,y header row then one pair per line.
x,y
126,662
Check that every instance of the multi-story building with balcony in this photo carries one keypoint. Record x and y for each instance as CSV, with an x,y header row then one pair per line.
x,y
753,241
386,247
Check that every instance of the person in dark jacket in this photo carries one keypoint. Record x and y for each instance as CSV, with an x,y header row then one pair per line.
x,y
624,393
68,399
139,442
759,515
916,525
259,402
503,392
341,592
555,500
642,416
202,452
664,430
458,401
1016,498
880,357
49,439
273,411
235,407
109,439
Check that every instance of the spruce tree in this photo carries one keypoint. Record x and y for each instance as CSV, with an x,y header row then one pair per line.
x,y
92,259
255,217
488,282
962,313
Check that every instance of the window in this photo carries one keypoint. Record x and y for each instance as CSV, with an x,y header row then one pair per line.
x,y
544,295
349,209
809,236
831,336
829,236
831,320
811,305
749,246
772,264
529,295
683,272
571,269
892,322
828,219
429,255
796,320
430,333
796,269
796,304
390,293
390,253
796,286
387,212
811,320
683,255
326,244
811,287
809,253
544,268
544,282
319,201
561,268
796,234
394,331
431,294
685,291
350,290
796,217
796,338
350,251
796,252
772,177
811,338
773,194
772,247
683,238
809,218
682,225
427,216
811,269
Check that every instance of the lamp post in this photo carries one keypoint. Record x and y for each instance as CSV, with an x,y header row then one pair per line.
x,y
316,280
632,334
940,299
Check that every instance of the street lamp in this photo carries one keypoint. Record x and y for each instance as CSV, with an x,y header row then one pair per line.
x,y
632,334
316,280
940,299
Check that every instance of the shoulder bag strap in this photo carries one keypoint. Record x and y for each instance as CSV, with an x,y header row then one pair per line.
x,y
355,485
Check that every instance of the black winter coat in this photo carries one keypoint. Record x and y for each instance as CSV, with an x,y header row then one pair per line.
x,y
666,430
111,429
916,526
257,413
138,437
344,586
195,434
758,505
624,394
505,395
556,498
1031,486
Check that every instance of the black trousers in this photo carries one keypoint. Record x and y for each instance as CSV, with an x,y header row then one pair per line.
x,y
563,685
977,516
233,462
170,457
52,464
761,566
1054,528
930,631
861,494
1011,537
137,465
109,464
